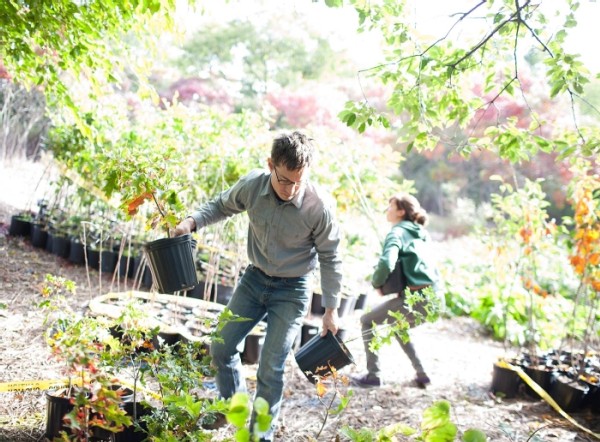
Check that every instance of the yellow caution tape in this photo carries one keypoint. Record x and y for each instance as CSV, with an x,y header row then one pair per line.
x,y
48,384
544,395
52,384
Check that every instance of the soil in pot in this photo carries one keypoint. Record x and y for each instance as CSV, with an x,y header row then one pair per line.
x,y
505,382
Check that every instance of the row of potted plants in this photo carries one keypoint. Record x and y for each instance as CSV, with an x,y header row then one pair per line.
x,y
124,257
572,380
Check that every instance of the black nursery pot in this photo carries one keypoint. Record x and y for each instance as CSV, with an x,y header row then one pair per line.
x,y
56,408
77,252
253,344
361,301
60,246
171,262
347,303
144,276
221,294
308,332
135,410
315,357
19,226
592,398
316,307
568,393
542,376
39,236
108,261
93,258
505,382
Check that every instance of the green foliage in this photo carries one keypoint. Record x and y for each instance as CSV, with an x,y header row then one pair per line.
x,y
238,414
45,44
265,53
433,307
78,342
436,426
520,285
431,79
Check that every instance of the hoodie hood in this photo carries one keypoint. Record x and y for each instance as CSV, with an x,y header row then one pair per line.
x,y
413,229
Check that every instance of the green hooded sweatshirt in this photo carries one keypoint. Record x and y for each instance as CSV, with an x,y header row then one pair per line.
x,y
411,243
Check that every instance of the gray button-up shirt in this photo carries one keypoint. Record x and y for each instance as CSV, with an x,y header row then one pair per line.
x,y
284,238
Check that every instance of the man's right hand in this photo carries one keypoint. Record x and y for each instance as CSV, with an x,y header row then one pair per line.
x,y
186,226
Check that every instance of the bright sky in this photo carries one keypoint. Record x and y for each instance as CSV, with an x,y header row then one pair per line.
x,y
429,16
434,17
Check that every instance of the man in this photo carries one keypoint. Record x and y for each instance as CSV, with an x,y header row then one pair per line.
x,y
291,226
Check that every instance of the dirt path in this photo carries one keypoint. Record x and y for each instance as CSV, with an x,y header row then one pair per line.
x,y
456,352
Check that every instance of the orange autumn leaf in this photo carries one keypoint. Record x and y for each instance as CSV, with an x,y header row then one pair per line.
x,y
132,206
525,234
321,390
578,264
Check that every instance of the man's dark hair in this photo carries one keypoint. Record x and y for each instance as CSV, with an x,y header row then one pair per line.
x,y
293,150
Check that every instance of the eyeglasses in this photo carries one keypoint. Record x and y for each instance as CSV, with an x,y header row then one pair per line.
x,y
285,182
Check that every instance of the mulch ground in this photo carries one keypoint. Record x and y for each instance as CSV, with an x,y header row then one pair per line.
x,y
457,353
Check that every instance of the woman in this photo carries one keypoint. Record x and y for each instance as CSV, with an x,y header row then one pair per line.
x,y
408,241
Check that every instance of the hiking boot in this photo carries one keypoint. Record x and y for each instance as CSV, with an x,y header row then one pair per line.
x,y
366,381
422,380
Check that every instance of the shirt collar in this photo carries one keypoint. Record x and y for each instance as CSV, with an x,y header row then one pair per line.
x,y
296,201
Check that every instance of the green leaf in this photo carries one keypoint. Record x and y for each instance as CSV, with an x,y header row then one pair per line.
x,y
473,435
436,415
351,119
444,433
238,410
242,435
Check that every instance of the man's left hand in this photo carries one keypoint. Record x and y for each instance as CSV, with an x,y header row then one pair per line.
x,y
330,321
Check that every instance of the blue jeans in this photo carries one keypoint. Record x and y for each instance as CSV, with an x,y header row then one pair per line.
x,y
284,303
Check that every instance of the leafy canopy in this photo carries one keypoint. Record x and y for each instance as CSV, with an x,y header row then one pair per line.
x,y
431,81
45,44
